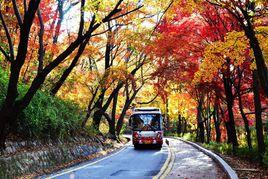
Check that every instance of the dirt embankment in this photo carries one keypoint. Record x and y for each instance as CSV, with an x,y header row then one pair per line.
x,y
33,158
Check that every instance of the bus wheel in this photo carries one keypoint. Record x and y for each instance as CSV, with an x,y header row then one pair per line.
x,y
159,146
136,146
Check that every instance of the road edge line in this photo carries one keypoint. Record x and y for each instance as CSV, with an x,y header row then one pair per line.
x,y
224,165
166,168
86,165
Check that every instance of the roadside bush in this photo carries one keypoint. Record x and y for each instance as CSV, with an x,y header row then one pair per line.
x,y
46,115
242,151
104,127
124,129
189,136
169,133
223,148
265,159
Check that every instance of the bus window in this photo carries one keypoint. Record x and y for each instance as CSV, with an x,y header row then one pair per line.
x,y
146,122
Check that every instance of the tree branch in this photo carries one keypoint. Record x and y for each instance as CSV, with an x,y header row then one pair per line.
x,y
17,12
71,5
41,42
4,53
148,102
40,78
165,11
82,20
121,15
10,44
25,6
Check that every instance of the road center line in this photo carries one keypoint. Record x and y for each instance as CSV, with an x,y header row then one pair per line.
x,y
166,168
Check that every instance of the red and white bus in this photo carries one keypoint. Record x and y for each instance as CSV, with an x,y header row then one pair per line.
x,y
147,127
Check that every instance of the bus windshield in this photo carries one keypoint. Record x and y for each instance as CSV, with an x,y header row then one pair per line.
x,y
146,122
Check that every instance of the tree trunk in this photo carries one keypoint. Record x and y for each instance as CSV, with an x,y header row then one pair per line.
x,y
167,116
112,129
84,122
208,127
217,123
98,113
8,116
258,112
179,127
185,127
68,71
228,131
81,49
60,19
112,122
96,120
89,108
120,122
4,121
200,124
3,135
226,126
259,58
124,110
230,123
246,123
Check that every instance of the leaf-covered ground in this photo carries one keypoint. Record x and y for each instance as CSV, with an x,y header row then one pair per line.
x,y
245,168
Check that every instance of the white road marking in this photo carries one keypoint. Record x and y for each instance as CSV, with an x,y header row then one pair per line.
x,y
84,166
72,176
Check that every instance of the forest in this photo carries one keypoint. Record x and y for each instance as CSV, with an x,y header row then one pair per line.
x,y
78,67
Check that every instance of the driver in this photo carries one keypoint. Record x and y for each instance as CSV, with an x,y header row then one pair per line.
x,y
154,123
140,122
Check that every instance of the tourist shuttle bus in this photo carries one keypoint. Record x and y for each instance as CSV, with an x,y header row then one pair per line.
x,y
147,128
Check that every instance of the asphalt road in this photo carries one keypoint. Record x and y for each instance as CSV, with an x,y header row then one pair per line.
x,y
186,162
128,163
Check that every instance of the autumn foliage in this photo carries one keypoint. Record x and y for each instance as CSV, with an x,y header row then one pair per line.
x,y
204,63
205,51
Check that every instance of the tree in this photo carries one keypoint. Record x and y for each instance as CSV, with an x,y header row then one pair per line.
x,y
124,55
13,104
258,112
247,13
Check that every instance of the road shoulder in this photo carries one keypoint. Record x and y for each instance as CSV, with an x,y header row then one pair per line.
x,y
188,160
224,165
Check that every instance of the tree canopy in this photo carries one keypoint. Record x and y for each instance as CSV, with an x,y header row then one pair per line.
x,y
204,63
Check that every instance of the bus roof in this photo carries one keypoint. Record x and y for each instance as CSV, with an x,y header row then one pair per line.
x,y
151,110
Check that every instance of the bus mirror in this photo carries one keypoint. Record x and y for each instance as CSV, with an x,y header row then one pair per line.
x,y
130,121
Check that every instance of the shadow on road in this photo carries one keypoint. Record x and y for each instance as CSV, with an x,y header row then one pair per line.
x,y
147,147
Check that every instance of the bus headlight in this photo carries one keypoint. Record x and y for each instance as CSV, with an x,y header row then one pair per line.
x,y
159,135
135,135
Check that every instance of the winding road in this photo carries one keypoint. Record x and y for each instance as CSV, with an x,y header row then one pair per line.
x,y
146,163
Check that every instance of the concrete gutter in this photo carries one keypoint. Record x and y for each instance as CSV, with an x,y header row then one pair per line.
x,y
229,171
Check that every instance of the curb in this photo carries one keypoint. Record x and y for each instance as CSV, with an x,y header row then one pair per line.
x,y
167,165
229,171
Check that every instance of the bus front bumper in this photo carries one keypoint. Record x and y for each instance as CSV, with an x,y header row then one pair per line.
x,y
147,141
